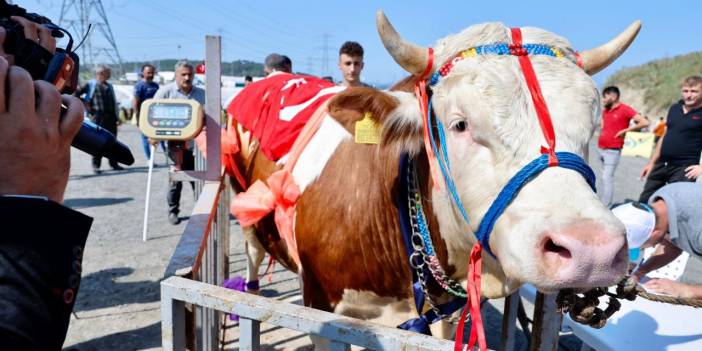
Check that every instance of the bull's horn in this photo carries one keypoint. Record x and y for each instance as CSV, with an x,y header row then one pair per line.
x,y
411,57
595,60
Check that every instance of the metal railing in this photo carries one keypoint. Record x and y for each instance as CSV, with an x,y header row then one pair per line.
x,y
202,256
252,310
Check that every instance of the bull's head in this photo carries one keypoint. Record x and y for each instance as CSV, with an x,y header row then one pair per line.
x,y
556,233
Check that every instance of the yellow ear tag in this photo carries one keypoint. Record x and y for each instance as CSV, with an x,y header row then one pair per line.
x,y
367,130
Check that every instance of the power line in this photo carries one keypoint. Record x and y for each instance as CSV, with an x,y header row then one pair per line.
x,y
78,15
325,55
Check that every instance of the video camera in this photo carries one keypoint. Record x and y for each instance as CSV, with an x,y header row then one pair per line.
x,y
61,69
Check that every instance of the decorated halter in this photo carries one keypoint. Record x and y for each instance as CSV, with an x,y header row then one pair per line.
x,y
549,158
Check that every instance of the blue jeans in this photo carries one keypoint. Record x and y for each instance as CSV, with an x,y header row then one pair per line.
x,y
610,160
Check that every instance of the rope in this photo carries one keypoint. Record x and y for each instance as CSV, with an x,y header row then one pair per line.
x,y
686,301
629,289
584,308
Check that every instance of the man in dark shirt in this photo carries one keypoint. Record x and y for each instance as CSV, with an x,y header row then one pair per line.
x,y
42,242
99,98
677,154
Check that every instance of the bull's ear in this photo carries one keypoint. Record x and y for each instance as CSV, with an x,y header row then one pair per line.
x,y
397,113
402,127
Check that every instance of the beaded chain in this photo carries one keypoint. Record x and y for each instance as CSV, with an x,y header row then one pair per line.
x,y
494,49
422,243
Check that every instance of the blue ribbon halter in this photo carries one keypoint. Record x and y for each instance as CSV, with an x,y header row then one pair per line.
x,y
567,160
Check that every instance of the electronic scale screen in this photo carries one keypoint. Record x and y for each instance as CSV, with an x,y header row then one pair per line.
x,y
170,119
171,115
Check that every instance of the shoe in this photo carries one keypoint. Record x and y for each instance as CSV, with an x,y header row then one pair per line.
x,y
118,168
96,171
173,218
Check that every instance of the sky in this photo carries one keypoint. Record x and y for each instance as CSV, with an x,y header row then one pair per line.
x,y
310,32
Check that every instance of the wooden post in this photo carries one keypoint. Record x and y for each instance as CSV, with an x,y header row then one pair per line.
x,y
547,323
213,104
509,322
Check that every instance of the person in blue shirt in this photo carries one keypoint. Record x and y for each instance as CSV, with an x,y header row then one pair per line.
x,y
145,89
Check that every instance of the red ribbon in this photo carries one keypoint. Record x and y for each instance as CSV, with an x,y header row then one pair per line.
x,y
420,91
536,97
477,330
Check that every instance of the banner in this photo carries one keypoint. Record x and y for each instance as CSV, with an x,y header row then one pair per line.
x,y
638,144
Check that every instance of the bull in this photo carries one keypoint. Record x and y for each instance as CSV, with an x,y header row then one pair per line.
x,y
555,234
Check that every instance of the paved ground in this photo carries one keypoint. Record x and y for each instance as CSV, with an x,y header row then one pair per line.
x,y
117,307
118,304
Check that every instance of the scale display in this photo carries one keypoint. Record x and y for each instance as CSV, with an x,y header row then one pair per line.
x,y
170,119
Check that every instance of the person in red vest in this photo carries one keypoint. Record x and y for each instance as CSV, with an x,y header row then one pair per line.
x,y
616,118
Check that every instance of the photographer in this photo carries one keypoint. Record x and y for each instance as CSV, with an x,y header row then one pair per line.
x,y
41,249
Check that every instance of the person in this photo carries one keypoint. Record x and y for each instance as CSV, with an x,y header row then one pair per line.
x,y
677,154
42,245
145,89
276,64
180,152
99,97
616,118
658,129
351,64
671,222
247,81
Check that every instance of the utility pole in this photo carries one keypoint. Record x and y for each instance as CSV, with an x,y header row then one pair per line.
x,y
325,55
77,15
310,66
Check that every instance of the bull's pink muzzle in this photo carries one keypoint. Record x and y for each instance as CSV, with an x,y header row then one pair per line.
x,y
583,256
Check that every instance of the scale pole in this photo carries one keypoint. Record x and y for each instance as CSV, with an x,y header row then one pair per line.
x,y
148,192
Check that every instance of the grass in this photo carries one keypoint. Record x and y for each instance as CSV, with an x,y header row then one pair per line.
x,y
660,79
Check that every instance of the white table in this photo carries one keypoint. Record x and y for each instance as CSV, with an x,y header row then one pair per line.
x,y
645,325
640,325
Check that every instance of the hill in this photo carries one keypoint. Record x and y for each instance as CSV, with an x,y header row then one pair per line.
x,y
651,88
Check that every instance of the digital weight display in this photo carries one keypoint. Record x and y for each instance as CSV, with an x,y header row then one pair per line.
x,y
171,119
169,115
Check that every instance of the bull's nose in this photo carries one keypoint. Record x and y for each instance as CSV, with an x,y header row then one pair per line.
x,y
583,259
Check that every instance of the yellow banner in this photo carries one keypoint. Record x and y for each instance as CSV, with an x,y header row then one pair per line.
x,y
638,144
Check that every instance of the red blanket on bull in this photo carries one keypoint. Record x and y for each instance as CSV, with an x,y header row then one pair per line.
x,y
276,109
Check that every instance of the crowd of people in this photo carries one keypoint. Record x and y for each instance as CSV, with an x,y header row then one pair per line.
x,y
667,213
41,281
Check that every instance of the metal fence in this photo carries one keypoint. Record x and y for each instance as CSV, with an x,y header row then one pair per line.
x,y
202,256
252,310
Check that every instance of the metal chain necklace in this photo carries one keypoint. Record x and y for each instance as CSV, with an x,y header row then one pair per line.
x,y
424,255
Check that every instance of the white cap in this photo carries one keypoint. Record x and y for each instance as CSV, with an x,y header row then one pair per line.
x,y
639,221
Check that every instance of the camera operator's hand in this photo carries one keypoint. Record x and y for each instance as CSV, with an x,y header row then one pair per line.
x,y
36,140
36,32
32,31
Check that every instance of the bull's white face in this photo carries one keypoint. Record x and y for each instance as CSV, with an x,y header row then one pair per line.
x,y
556,233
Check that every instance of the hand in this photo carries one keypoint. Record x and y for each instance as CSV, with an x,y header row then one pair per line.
x,y
153,141
35,152
620,134
32,31
670,287
693,172
646,170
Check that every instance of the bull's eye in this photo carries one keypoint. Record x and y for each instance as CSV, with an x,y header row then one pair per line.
x,y
459,126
